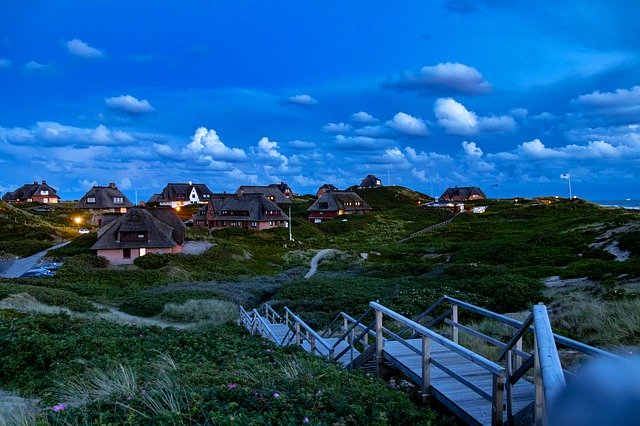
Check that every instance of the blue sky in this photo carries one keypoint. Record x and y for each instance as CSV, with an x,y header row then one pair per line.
x,y
505,95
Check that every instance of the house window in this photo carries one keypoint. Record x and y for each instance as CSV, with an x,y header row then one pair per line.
x,y
91,200
205,195
126,253
44,192
270,223
323,205
141,236
271,198
143,251
118,200
254,224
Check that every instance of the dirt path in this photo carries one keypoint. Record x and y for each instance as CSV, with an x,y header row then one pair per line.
x,y
314,262
20,266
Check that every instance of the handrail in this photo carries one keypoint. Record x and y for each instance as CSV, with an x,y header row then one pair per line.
x,y
562,340
488,365
309,329
269,309
548,361
353,326
331,324
355,340
265,325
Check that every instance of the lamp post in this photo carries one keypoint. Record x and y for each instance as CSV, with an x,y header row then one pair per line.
x,y
290,236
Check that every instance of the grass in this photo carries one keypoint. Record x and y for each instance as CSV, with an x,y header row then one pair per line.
x,y
494,260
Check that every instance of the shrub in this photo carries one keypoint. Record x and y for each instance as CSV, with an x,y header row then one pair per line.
x,y
151,261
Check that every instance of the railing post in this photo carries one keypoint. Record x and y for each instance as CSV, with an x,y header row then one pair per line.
x,y
313,343
509,386
286,318
517,361
331,354
345,325
497,409
254,325
297,328
351,345
365,340
379,342
426,370
454,323
539,390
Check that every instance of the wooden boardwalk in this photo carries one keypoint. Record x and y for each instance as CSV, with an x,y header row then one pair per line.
x,y
476,389
468,405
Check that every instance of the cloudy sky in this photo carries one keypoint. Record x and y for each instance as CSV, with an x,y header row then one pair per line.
x,y
502,94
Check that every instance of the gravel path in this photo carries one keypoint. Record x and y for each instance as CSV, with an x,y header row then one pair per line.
x,y
20,266
314,262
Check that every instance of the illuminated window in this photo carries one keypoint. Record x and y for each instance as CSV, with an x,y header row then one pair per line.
x,y
91,200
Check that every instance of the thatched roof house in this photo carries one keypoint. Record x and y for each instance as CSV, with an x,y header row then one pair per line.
x,y
463,193
36,192
249,211
336,203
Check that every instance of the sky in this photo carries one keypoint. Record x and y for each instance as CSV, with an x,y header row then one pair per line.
x,y
506,95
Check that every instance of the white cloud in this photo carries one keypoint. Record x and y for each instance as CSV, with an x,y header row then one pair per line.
x,y
207,143
536,149
304,100
298,144
424,157
129,104
471,149
363,117
519,112
36,66
360,143
407,124
87,184
337,128
458,120
269,149
80,48
55,134
444,78
5,63
391,156
622,103
372,131
420,175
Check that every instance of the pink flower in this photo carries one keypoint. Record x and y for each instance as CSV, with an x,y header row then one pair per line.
x,y
276,395
306,420
59,407
231,385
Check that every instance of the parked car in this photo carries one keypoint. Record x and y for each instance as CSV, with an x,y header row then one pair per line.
x,y
52,266
38,272
83,231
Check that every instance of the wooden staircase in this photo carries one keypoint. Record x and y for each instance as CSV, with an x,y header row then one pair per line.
x,y
515,388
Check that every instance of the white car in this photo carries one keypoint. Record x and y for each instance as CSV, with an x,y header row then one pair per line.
x,y
83,231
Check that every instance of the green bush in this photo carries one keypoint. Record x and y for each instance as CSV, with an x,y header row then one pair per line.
x,y
592,268
151,261
630,242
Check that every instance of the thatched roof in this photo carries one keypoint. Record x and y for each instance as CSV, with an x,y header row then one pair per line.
x,y
104,198
158,233
339,200
271,192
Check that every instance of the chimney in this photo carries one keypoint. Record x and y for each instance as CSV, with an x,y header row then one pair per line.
x,y
35,182
44,182
112,185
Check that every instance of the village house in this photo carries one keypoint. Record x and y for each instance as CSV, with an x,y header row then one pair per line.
x,y
104,199
248,211
272,193
181,194
454,206
33,192
463,193
371,181
285,189
327,187
336,203
140,231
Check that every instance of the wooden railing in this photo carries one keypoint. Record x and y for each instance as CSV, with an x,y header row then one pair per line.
x,y
498,372
429,229
302,332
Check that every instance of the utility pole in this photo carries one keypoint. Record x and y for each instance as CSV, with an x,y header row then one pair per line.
x,y
290,236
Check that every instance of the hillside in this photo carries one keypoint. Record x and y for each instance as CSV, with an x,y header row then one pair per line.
x,y
499,259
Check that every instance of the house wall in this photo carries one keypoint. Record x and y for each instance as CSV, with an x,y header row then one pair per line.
x,y
114,256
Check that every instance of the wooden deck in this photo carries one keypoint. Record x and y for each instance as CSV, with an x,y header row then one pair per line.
x,y
467,404
478,390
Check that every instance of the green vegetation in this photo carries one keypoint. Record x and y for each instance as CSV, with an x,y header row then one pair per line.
x,y
495,260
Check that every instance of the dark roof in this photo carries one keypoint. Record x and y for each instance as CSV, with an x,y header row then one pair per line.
x,y
337,200
370,181
181,192
256,205
29,190
329,187
267,191
138,219
170,217
284,188
104,196
463,193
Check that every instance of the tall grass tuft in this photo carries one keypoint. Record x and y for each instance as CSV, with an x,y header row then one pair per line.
x,y
97,385
210,311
